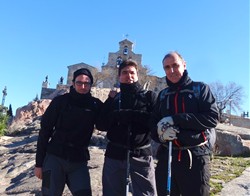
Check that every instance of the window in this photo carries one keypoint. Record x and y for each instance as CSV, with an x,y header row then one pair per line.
x,y
125,50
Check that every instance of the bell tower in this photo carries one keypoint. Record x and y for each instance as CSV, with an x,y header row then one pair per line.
x,y
115,59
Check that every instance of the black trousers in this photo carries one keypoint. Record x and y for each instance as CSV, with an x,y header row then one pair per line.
x,y
185,181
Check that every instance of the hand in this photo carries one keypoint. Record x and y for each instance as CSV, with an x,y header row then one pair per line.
x,y
38,172
168,134
112,93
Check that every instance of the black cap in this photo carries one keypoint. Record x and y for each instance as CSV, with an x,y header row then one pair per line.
x,y
83,71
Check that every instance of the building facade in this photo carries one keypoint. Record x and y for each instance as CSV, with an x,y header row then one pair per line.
x,y
107,78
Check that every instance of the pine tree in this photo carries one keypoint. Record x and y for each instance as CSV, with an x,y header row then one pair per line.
x,y
9,112
36,98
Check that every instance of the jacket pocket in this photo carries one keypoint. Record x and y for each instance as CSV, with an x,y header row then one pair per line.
x,y
191,138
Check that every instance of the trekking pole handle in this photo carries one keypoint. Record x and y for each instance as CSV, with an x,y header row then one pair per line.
x,y
128,161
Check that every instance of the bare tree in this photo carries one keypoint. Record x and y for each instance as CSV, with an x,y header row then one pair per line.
x,y
144,75
99,77
227,96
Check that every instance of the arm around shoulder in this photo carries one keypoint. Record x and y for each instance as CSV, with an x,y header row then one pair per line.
x,y
102,123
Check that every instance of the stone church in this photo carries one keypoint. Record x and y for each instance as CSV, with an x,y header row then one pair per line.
x,y
107,78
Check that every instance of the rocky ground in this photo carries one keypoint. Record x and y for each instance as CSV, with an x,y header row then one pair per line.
x,y
239,186
17,159
224,172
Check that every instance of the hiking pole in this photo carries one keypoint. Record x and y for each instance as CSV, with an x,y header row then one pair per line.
x,y
128,152
169,168
165,127
128,163
127,174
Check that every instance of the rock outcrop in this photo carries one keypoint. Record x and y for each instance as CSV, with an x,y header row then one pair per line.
x,y
27,114
232,141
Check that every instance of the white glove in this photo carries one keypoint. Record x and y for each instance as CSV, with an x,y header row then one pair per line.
x,y
168,134
163,123
166,120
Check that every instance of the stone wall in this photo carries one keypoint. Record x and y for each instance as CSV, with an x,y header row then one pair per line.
x,y
46,92
240,121
101,93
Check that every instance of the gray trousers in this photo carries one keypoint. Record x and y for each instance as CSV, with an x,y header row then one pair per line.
x,y
142,174
57,172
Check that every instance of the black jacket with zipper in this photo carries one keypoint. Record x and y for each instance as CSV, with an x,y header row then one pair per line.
x,y
192,114
125,118
67,126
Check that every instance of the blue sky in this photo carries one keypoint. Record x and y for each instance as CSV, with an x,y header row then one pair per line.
x,y
39,38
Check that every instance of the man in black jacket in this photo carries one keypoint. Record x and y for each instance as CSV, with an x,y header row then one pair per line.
x,y
66,129
184,114
125,116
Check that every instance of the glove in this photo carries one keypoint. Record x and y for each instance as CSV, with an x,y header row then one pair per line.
x,y
164,122
168,134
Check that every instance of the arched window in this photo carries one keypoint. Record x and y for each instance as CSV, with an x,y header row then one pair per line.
x,y
125,50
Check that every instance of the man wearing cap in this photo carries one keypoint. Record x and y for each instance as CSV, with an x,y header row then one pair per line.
x,y
66,129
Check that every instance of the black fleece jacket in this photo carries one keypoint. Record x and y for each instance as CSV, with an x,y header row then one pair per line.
x,y
192,113
125,118
67,126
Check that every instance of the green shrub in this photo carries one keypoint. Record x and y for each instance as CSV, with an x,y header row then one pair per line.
x,y
3,123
